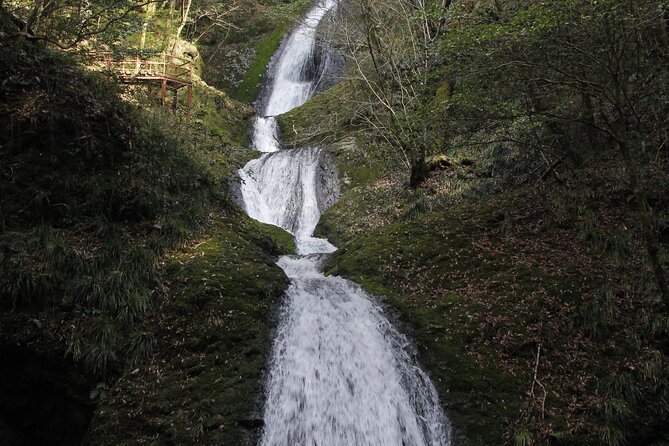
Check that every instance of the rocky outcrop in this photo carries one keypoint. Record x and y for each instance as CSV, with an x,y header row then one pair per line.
x,y
44,398
327,181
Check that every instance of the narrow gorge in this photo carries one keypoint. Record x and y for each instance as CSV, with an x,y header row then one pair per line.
x,y
340,372
334,222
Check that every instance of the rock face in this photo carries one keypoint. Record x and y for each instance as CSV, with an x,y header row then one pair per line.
x,y
43,399
331,62
190,52
327,182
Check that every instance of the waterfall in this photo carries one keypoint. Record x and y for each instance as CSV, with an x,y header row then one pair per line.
x,y
294,78
340,373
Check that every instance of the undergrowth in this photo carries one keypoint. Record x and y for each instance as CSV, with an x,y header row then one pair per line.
x,y
94,191
540,298
212,331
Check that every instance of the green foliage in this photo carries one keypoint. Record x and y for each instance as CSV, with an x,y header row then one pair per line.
x,y
71,22
94,193
595,315
548,61
523,437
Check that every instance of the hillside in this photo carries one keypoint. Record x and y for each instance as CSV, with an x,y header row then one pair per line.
x,y
501,222
117,234
502,175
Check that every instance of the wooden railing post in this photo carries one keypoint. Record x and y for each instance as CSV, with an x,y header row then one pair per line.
x,y
170,71
163,92
189,103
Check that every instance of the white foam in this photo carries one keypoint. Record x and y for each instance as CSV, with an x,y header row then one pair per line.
x,y
340,373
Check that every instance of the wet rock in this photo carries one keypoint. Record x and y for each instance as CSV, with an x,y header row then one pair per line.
x,y
251,423
215,422
327,181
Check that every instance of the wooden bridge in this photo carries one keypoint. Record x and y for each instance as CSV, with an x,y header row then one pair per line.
x,y
169,71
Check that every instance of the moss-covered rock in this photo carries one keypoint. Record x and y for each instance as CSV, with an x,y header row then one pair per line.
x,y
323,119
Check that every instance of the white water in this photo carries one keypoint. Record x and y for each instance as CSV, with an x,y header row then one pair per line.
x,y
340,374
294,78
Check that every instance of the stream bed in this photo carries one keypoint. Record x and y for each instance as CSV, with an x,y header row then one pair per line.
x,y
340,372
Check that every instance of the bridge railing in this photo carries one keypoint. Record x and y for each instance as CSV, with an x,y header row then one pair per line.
x,y
149,66
169,71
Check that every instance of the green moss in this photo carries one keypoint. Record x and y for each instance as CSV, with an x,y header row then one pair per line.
x,y
250,86
217,117
479,294
205,379
323,119
281,238
359,162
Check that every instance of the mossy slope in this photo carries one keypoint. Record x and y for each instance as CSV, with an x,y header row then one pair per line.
x,y
97,194
497,290
212,329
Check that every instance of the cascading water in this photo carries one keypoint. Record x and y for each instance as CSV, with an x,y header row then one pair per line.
x,y
295,77
340,374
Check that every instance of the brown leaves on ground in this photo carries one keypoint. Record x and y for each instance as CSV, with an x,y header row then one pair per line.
x,y
523,267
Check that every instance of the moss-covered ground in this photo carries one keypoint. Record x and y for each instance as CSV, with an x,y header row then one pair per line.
x,y
212,328
500,297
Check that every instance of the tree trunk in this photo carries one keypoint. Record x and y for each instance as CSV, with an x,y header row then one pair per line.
x,y
185,11
419,170
647,225
590,117
33,19
664,24
150,11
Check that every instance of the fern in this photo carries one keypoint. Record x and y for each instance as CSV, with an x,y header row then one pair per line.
x,y
523,437
612,436
418,207
140,347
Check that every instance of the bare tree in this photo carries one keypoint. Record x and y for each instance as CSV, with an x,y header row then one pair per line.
x,y
389,46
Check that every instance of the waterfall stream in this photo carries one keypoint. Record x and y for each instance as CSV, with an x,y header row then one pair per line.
x,y
340,373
